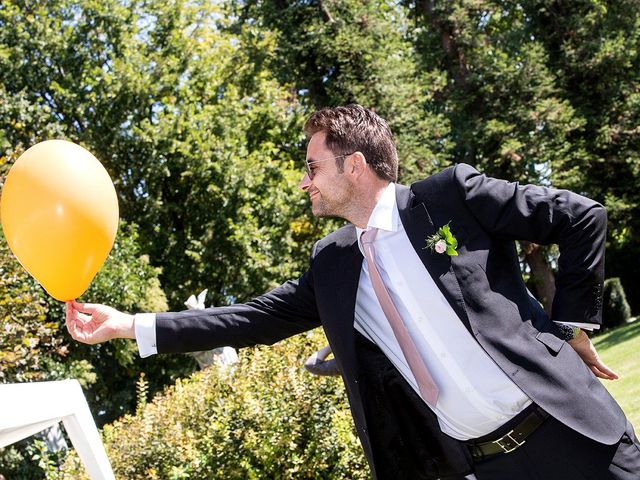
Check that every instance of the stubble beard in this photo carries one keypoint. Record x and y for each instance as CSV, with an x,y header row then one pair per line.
x,y
338,208
319,208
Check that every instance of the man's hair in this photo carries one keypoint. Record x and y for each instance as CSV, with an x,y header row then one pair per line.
x,y
353,128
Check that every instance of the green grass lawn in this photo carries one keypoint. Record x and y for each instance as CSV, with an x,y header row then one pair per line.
x,y
620,351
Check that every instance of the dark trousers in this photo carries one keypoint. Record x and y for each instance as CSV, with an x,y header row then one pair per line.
x,y
556,452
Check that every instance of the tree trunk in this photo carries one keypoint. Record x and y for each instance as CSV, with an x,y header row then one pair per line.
x,y
455,55
543,280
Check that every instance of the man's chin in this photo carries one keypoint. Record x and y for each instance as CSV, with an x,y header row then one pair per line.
x,y
319,210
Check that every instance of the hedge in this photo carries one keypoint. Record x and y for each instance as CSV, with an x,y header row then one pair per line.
x,y
264,418
615,310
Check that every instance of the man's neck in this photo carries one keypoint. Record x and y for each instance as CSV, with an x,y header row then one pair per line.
x,y
368,201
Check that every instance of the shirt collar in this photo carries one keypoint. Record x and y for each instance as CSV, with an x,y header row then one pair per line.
x,y
385,214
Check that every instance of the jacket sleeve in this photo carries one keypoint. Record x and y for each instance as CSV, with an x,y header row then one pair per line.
x,y
543,215
285,311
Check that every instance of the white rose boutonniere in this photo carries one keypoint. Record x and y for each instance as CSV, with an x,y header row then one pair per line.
x,y
443,242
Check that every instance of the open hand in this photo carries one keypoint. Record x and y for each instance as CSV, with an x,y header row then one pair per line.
x,y
94,323
585,349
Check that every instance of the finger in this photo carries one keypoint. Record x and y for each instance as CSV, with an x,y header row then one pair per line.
x,y
85,307
604,369
605,373
75,322
70,317
85,331
609,374
71,323
81,335
600,365
75,313
81,321
597,372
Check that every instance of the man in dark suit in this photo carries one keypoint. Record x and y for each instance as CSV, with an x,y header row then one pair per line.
x,y
450,366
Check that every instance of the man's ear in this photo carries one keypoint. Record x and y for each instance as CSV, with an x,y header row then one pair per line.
x,y
356,164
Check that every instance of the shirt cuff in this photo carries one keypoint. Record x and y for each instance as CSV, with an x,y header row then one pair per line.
x,y
584,326
145,328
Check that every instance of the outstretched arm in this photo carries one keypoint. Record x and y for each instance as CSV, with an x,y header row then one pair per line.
x,y
94,323
278,314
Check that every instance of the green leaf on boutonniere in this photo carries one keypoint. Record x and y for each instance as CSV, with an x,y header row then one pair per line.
x,y
443,242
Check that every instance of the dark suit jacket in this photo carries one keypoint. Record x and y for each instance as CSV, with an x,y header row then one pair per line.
x,y
483,285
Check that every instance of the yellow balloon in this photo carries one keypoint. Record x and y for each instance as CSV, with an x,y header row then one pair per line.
x,y
59,214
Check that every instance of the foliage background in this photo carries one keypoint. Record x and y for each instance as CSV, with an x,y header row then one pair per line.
x,y
265,417
196,107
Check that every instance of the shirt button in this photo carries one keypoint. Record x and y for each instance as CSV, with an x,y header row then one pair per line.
x,y
467,390
443,354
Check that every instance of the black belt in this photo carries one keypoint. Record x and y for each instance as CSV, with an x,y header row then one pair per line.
x,y
512,440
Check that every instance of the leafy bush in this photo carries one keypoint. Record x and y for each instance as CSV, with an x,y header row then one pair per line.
x,y
615,310
266,417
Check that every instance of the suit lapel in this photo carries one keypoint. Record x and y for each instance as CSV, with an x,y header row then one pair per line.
x,y
418,224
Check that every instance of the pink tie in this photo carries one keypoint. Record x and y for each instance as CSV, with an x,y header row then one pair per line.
x,y
426,385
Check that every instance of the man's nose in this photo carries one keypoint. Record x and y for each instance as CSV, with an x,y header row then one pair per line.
x,y
305,182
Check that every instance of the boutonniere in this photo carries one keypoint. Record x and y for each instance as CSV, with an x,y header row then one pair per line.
x,y
443,242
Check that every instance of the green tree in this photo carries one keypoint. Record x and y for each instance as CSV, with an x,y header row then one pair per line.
x,y
203,144
338,52
543,92
508,114
594,48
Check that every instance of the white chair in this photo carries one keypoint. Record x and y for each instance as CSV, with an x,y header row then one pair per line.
x,y
27,408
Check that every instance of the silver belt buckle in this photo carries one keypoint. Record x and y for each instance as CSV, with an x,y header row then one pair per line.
x,y
507,443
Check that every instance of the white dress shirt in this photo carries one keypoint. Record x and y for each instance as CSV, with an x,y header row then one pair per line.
x,y
476,396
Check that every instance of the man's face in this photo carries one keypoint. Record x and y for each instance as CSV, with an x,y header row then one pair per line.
x,y
329,191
